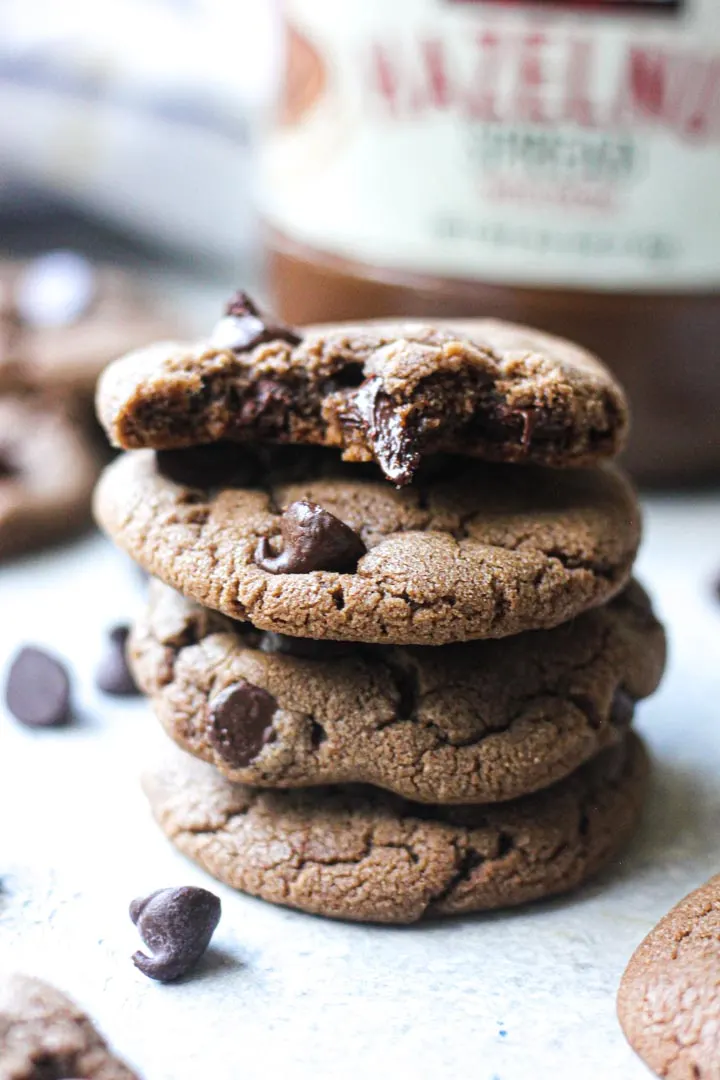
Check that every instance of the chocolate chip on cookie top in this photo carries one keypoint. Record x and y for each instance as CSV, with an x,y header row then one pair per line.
x,y
244,327
477,551
481,722
389,393
312,539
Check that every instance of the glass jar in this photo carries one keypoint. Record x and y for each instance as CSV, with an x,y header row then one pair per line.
x,y
556,164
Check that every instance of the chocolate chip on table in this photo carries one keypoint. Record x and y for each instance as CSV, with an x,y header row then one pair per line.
x,y
176,925
244,327
622,709
394,441
37,691
113,676
313,539
216,465
240,722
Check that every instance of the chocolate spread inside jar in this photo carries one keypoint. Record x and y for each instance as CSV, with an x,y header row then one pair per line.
x,y
553,164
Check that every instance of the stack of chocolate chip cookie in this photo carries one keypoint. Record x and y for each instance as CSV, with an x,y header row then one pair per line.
x,y
392,622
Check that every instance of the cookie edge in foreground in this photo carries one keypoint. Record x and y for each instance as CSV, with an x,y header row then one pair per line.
x,y
602,801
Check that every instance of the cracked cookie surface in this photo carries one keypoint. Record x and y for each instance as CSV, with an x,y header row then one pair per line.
x,y
481,722
669,997
384,392
363,854
47,473
472,551
45,1036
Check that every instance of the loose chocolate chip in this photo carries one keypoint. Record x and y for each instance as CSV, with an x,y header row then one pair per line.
x,y
176,925
37,691
244,327
394,441
113,675
622,709
216,465
7,469
306,648
313,539
240,722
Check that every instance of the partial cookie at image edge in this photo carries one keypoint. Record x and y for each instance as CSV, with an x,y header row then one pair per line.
x,y
45,1034
669,997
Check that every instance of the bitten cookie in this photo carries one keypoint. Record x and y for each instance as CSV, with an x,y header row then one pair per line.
x,y
480,722
63,318
669,998
47,474
390,393
363,854
44,1035
309,547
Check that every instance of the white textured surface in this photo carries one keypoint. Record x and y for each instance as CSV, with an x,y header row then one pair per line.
x,y
527,995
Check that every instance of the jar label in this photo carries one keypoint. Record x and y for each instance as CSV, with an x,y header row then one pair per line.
x,y
576,144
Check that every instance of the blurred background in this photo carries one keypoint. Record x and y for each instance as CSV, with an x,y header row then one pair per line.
x,y
126,132
549,163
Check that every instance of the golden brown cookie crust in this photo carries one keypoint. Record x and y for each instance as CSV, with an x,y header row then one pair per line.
x,y
481,722
669,997
483,551
362,854
44,1034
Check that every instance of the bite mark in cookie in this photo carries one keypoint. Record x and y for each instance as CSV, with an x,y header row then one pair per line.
x,y
390,393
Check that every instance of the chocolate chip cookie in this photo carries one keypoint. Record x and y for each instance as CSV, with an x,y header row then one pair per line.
x,y
472,551
47,473
63,318
389,393
44,1035
669,998
359,853
481,722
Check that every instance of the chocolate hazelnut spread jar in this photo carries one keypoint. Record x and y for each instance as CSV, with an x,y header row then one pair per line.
x,y
550,163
